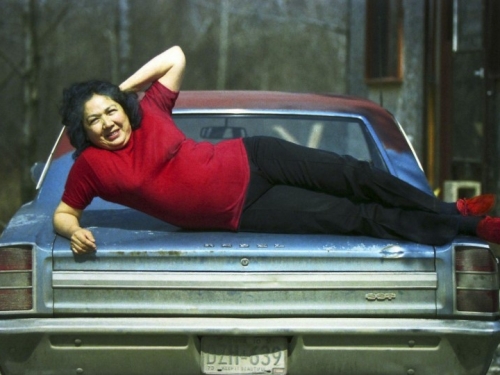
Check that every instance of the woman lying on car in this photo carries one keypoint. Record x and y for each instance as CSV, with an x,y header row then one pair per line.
x,y
131,152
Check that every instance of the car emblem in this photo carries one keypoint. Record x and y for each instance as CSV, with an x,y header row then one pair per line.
x,y
380,296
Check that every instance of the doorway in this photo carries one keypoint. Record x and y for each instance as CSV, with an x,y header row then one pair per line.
x,y
467,130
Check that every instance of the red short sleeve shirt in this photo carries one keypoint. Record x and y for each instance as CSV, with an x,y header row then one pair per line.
x,y
195,185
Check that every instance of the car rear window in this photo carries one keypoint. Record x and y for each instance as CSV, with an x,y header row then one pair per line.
x,y
345,136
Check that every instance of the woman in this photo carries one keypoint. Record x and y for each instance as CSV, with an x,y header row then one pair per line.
x,y
133,154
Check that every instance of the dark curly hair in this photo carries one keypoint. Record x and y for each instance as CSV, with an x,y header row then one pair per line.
x,y
73,103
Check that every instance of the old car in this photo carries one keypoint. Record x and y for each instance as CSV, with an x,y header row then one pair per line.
x,y
155,299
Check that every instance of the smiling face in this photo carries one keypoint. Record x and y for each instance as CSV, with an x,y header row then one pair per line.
x,y
106,124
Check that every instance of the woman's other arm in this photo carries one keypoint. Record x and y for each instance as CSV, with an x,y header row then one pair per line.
x,y
167,68
67,224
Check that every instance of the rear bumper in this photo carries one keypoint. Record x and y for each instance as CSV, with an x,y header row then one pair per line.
x,y
172,345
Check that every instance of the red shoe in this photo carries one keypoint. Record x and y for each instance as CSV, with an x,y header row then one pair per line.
x,y
477,206
489,229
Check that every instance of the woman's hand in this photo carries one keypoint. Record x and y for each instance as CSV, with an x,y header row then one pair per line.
x,y
67,224
82,241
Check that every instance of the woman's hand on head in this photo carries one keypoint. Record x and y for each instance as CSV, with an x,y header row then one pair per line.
x,y
168,68
83,241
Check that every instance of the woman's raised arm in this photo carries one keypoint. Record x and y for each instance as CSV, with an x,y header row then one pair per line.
x,y
167,68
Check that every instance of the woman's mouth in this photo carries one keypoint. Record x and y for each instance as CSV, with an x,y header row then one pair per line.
x,y
113,135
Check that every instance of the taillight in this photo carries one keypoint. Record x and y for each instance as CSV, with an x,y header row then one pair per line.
x,y
476,280
16,286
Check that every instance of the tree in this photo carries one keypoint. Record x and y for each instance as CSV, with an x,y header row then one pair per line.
x,y
223,45
29,72
31,99
119,40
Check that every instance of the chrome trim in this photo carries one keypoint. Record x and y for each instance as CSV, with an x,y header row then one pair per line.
x,y
170,345
15,279
251,326
455,27
260,111
245,281
410,144
477,280
49,160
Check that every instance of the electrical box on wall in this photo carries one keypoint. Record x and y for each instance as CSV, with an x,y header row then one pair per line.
x,y
454,190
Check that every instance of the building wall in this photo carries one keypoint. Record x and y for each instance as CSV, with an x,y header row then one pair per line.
x,y
355,73
406,99
496,121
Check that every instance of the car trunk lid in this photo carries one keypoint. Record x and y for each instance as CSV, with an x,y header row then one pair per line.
x,y
158,269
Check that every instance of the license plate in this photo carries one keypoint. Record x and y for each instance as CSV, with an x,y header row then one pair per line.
x,y
243,355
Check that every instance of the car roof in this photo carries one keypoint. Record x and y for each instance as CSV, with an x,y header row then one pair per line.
x,y
272,101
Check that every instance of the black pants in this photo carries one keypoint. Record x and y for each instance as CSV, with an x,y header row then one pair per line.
x,y
295,189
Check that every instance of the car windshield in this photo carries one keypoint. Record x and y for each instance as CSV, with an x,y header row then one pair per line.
x,y
345,136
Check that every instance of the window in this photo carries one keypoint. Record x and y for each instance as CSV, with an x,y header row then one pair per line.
x,y
492,32
345,136
383,40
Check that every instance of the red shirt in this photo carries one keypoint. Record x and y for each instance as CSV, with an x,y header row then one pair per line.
x,y
196,185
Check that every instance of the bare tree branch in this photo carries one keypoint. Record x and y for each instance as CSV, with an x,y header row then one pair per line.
x,y
15,67
223,45
60,16
9,156
254,10
5,81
